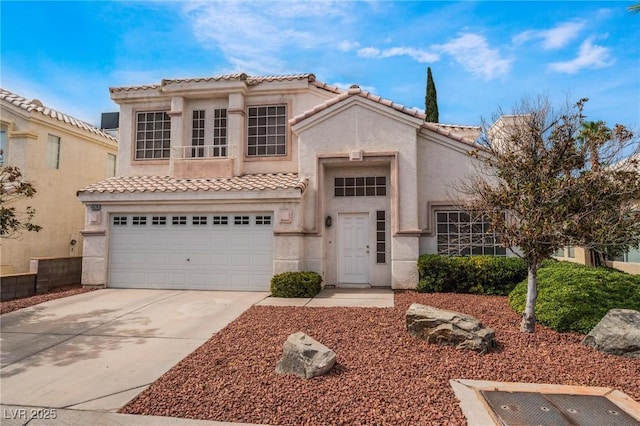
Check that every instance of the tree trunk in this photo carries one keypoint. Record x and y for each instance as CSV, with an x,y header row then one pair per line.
x,y
528,324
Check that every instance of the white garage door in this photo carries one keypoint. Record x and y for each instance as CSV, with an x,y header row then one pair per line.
x,y
187,251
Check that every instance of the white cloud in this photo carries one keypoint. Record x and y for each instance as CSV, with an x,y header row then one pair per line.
x,y
473,53
418,55
256,36
553,38
589,56
348,45
369,52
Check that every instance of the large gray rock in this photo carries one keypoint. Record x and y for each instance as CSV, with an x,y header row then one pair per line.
x,y
617,333
444,327
305,357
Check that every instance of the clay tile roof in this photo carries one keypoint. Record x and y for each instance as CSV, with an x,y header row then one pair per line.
x,y
36,105
249,80
454,131
355,91
254,182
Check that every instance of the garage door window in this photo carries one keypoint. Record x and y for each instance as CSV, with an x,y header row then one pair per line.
x,y
199,220
139,220
119,220
220,220
179,220
159,220
263,220
241,220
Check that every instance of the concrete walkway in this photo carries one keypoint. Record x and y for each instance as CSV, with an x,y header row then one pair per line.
x,y
339,297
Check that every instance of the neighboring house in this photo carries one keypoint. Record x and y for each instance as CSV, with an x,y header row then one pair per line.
x,y
628,262
224,181
58,154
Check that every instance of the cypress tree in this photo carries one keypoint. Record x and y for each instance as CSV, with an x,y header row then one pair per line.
x,y
431,100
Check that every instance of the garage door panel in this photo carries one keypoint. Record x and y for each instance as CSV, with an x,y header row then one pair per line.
x,y
262,260
214,256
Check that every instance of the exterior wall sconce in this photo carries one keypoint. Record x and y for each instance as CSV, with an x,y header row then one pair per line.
x,y
328,221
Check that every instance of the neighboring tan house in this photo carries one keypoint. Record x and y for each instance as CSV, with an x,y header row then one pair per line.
x,y
58,154
224,181
628,262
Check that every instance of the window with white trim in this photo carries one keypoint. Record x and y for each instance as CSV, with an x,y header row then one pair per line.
x,y
199,220
263,220
139,220
460,233
220,220
159,220
53,151
197,133
364,186
267,131
3,143
381,237
241,220
153,135
179,220
219,133
120,220
111,165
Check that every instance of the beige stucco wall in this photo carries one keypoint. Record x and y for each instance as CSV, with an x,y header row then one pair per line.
x,y
182,104
387,141
443,165
83,160
582,257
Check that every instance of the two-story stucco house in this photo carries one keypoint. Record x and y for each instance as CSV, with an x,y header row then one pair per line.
x,y
58,154
224,181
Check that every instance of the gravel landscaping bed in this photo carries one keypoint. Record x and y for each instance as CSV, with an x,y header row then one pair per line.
x,y
382,376
64,291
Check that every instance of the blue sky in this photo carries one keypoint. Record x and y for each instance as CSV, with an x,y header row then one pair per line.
x,y
483,55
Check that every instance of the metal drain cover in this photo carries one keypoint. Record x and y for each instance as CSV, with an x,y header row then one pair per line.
x,y
532,409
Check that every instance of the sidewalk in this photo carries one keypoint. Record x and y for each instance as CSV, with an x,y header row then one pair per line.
x,y
13,415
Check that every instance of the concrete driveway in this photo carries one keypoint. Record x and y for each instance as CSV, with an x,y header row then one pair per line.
x,y
98,350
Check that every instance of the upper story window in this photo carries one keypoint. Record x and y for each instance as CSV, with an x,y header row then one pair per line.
x,y
53,152
153,135
219,132
267,131
3,143
111,165
199,134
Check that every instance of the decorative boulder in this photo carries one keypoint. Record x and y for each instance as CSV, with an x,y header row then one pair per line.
x,y
444,327
617,333
305,357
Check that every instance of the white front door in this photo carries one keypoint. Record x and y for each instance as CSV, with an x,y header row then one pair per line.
x,y
353,248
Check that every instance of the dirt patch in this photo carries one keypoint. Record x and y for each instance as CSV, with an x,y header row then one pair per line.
x,y
64,291
382,376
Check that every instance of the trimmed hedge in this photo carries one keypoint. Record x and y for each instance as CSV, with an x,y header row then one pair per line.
x,y
469,274
296,284
574,297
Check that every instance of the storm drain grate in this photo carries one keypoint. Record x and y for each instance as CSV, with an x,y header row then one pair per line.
x,y
532,408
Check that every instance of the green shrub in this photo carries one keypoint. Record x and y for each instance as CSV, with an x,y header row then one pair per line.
x,y
469,274
574,297
296,284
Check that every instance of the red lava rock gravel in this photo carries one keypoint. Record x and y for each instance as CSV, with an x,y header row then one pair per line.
x,y
383,376
65,291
